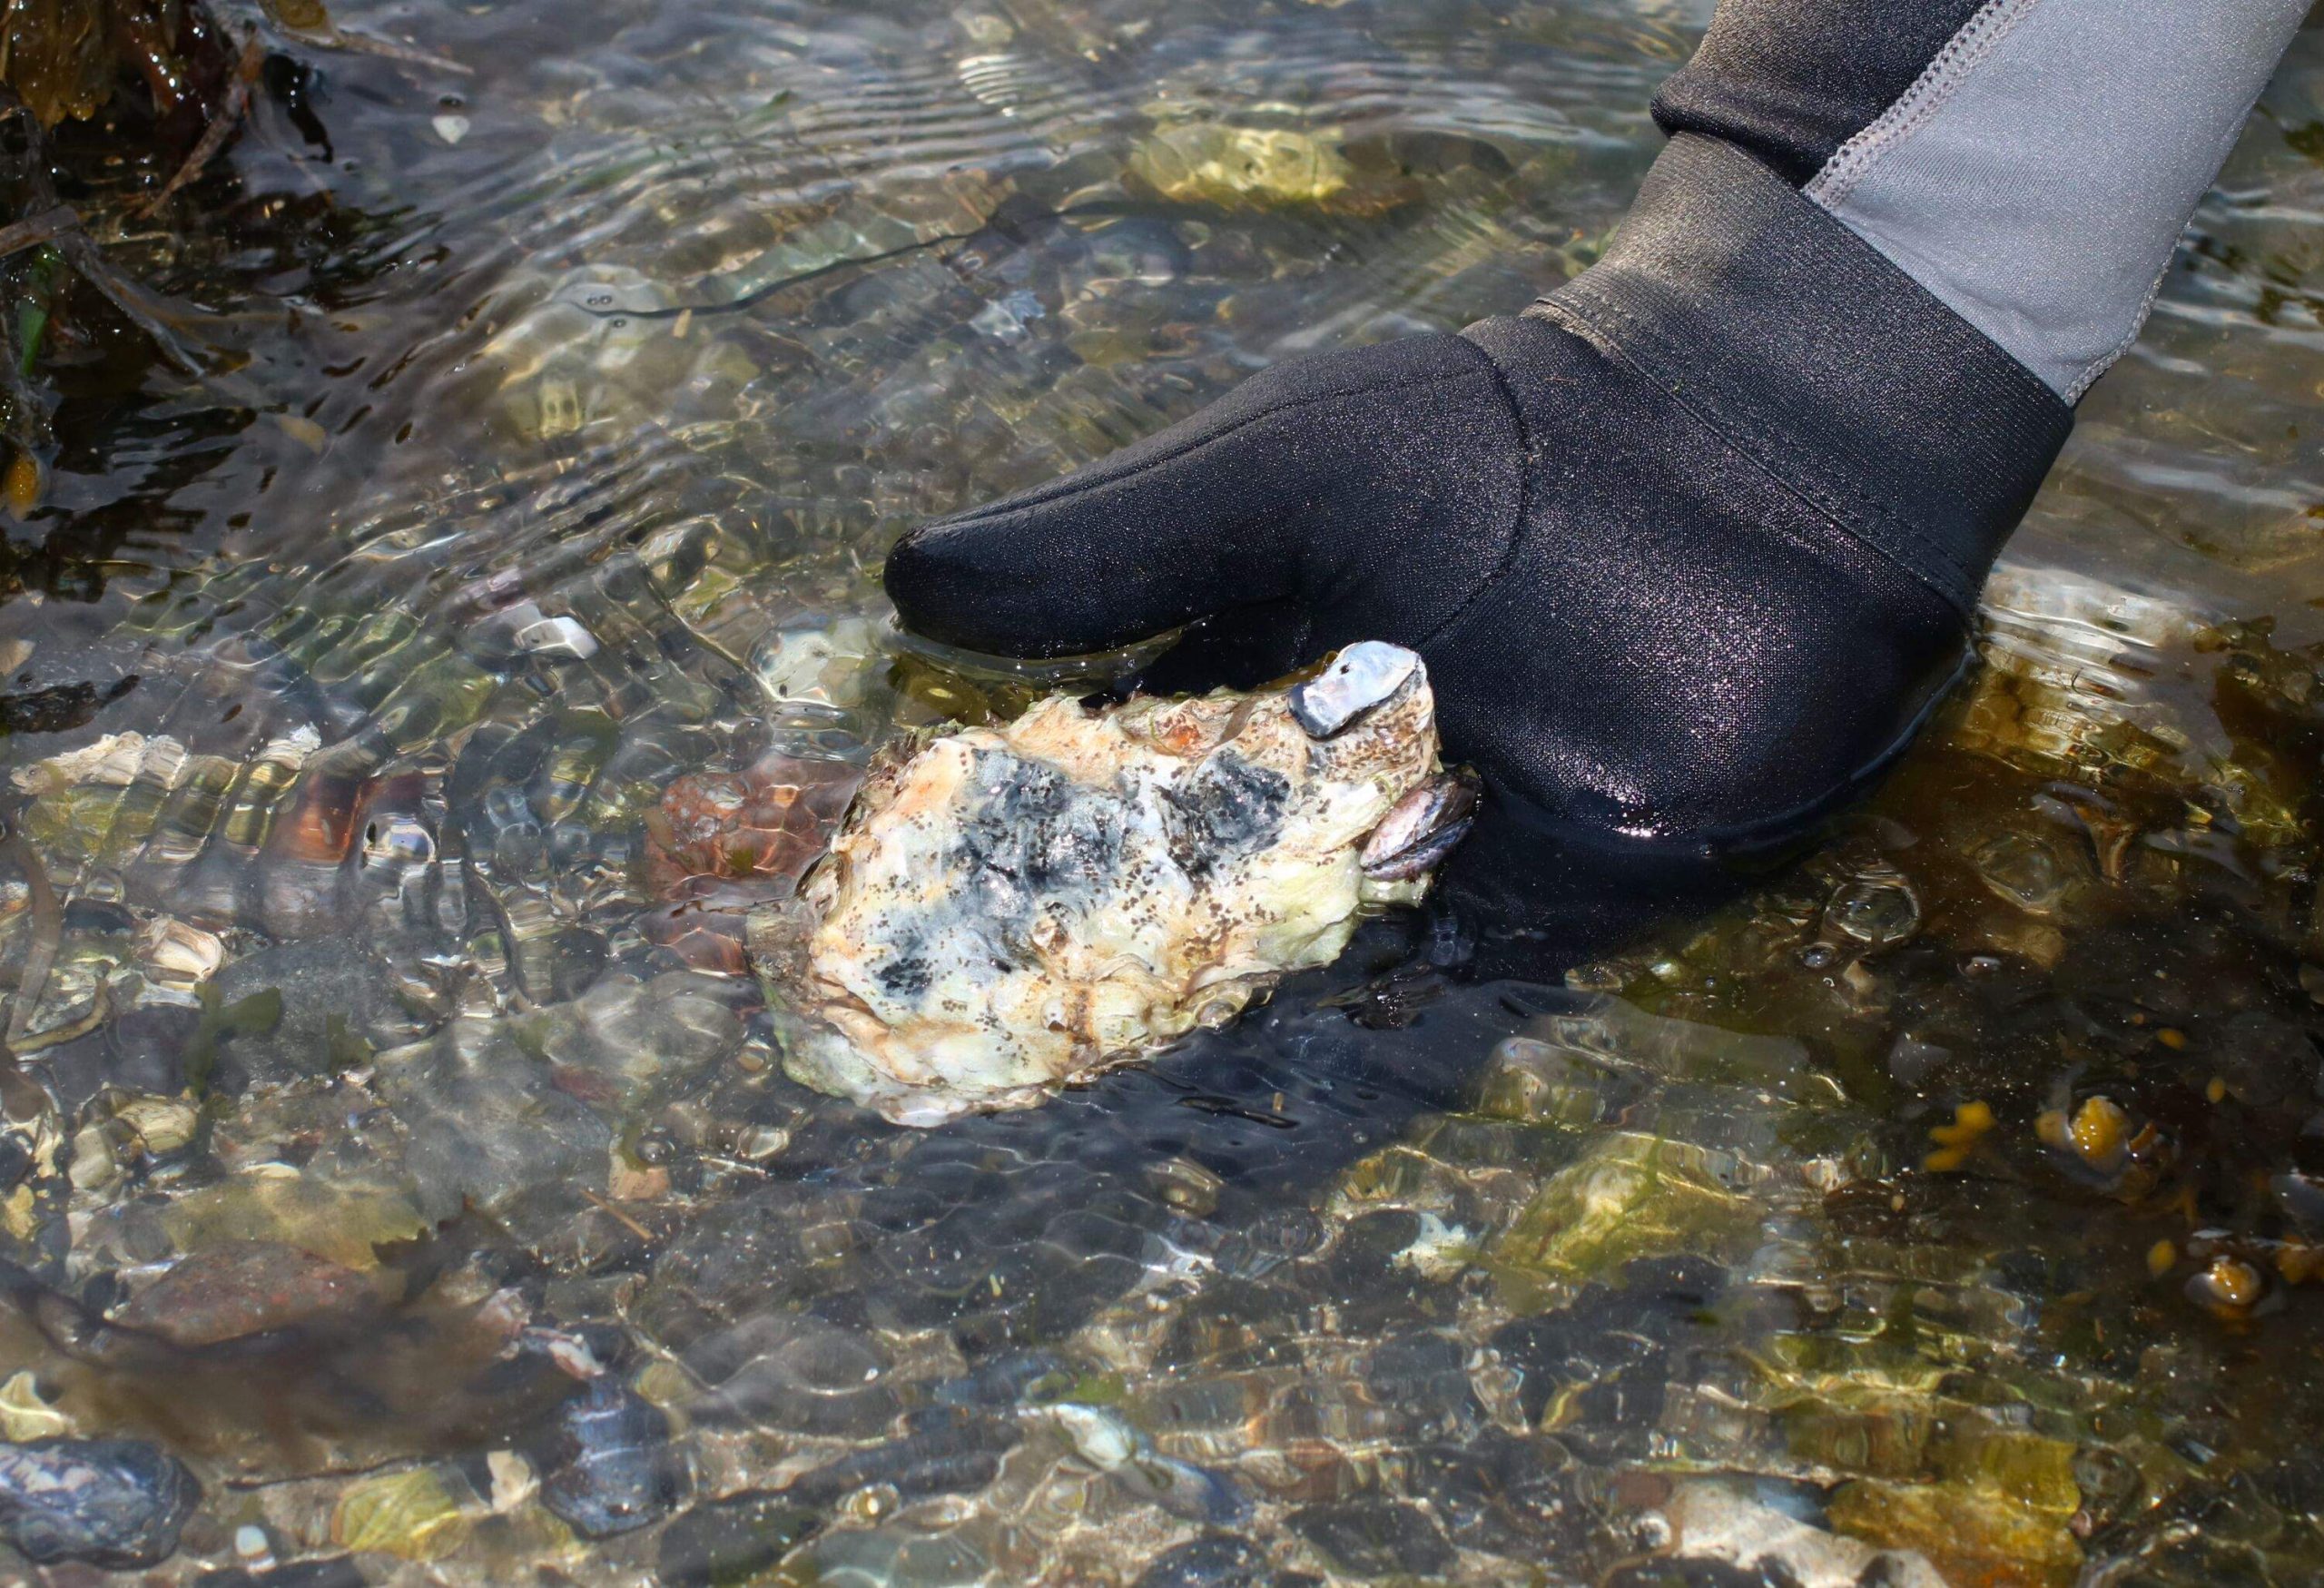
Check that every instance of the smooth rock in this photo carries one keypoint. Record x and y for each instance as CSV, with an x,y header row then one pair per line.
x,y
336,1573
333,992
794,1373
412,1514
1218,1559
1374,1538
945,1450
722,1542
1715,1522
607,1465
115,1503
894,1557
225,1293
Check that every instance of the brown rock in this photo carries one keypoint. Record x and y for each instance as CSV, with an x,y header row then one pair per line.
x,y
228,1292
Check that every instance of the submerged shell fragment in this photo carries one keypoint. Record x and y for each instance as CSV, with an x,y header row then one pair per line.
x,y
1014,906
558,637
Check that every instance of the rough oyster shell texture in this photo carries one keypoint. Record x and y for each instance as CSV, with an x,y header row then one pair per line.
x,y
1009,907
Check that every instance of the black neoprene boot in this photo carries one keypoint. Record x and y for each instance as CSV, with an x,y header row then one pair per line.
x,y
1692,548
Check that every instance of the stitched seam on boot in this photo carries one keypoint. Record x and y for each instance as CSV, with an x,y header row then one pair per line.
x,y
1516,530
1920,554
1756,447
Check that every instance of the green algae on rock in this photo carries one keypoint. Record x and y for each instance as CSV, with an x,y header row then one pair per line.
x,y
1627,1196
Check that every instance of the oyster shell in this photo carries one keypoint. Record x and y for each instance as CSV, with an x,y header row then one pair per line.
x,y
1009,907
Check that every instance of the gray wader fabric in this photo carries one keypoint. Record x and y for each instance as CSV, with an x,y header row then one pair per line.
x,y
2037,169
2037,176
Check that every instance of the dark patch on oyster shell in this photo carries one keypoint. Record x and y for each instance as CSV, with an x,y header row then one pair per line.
x,y
1226,806
1032,834
907,975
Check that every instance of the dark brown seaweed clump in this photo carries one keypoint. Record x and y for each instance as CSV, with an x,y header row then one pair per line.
x,y
66,59
110,110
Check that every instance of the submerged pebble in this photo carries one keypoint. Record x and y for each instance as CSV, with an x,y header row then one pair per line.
x,y
895,1557
559,639
1371,1539
945,1450
336,1573
225,1293
607,1465
418,1514
732,1539
114,1502
1219,1560
1724,1525
1876,910
793,1372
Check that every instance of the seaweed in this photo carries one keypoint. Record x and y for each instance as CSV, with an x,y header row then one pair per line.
x,y
113,114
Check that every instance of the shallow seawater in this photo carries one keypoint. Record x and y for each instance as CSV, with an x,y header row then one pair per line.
x,y
400,1183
